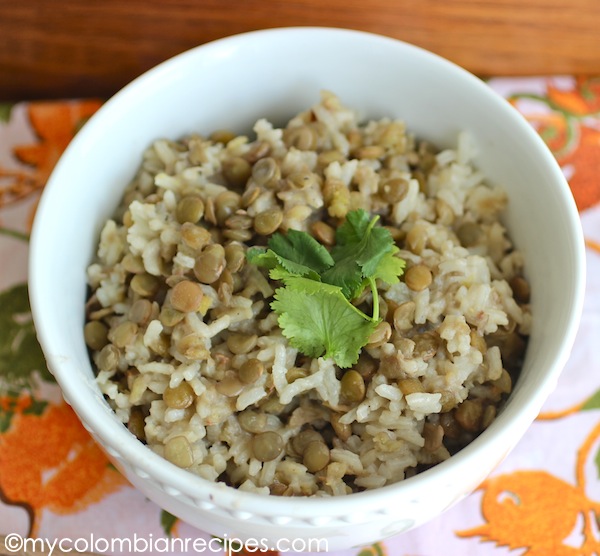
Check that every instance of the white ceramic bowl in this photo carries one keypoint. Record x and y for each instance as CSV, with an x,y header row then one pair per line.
x,y
229,84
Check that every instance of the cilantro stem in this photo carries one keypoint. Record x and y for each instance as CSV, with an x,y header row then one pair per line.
x,y
363,315
372,223
375,299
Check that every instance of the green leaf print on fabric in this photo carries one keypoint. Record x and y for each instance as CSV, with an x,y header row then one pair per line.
x,y
21,356
5,111
593,402
168,522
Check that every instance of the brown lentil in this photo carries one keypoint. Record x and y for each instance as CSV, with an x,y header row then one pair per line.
x,y
416,239
222,136
316,456
136,423
352,387
127,219
365,366
426,345
302,138
251,370
404,316
504,383
238,235
108,358
210,263
451,427
95,334
468,415
210,214
327,157
123,334
226,204
259,150
298,213
304,438
266,172
301,180
379,336
355,139
192,347
394,190
444,212
294,373
478,341
433,435
267,446
235,257
370,152
195,237
448,401
169,316
249,196
179,451
186,296
239,222
145,285
323,232
189,209
489,414
396,233
410,386
133,264
342,430
468,234
241,343
141,311
230,386
161,345
236,171
268,221
521,289
418,277
179,397
252,421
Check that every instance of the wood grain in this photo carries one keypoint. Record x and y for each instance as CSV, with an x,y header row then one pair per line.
x,y
52,48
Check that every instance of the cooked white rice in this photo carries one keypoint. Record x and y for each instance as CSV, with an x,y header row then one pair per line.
x,y
431,385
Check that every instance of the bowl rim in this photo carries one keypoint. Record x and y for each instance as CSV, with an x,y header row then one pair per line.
x,y
117,438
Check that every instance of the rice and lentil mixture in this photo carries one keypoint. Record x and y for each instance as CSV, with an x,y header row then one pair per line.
x,y
191,357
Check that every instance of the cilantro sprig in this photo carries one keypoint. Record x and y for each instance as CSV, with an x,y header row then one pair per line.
x,y
314,304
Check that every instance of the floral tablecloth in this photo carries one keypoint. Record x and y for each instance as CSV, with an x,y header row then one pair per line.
x,y
55,483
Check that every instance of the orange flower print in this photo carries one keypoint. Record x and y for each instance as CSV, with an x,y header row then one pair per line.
x,y
50,461
521,510
55,124
583,100
539,512
568,121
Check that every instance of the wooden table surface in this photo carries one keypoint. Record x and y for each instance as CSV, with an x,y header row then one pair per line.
x,y
51,48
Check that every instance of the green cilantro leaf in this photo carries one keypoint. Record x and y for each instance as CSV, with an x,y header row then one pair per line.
x,y
297,252
315,305
301,248
267,258
319,321
358,238
361,249
347,275
390,268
